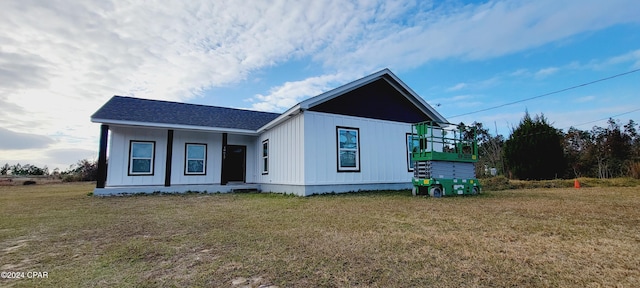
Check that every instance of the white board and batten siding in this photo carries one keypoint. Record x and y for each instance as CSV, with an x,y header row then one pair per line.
x,y
302,155
118,167
382,144
121,138
213,155
286,154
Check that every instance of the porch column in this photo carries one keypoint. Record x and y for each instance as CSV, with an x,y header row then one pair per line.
x,y
167,169
102,157
223,178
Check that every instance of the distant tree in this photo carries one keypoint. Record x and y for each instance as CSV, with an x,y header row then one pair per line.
x,y
534,150
634,162
612,150
17,170
84,170
489,149
634,137
4,170
56,173
34,170
88,170
577,144
25,170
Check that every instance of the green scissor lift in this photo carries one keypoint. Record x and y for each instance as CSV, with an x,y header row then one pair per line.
x,y
444,159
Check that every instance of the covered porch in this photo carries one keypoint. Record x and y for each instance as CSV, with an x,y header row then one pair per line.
x,y
177,161
202,188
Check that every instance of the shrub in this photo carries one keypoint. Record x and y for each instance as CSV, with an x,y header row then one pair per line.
x,y
495,183
534,150
71,178
84,170
634,170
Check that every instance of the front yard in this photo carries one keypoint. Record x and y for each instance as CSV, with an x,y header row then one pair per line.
x,y
567,237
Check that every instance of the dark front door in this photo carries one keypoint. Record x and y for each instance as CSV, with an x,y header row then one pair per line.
x,y
235,163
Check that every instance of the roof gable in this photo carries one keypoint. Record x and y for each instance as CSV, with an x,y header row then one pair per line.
x,y
377,100
121,109
381,95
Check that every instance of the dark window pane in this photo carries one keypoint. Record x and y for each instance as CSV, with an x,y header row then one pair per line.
x,y
141,166
195,166
348,159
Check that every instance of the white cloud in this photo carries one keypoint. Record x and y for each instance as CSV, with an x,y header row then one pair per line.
x,y
585,99
60,61
12,140
632,56
290,93
546,72
479,31
458,104
60,158
456,87
519,72
462,97
64,157
477,85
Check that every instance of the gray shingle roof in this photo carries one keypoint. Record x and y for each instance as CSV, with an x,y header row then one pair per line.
x,y
121,108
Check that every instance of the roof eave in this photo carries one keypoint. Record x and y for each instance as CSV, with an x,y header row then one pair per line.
x,y
295,110
175,126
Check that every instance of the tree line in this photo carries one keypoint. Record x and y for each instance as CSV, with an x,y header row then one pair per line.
x,y
536,150
83,170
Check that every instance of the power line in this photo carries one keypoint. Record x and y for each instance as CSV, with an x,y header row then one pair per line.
x,y
547,94
605,118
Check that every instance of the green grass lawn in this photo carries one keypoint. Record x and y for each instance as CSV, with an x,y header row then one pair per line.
x,y
562,237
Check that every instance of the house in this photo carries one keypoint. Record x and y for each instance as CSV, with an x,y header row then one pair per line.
x,y
354,137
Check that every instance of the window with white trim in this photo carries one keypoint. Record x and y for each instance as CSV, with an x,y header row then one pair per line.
x,y
265,157
141,157
348,149
195,159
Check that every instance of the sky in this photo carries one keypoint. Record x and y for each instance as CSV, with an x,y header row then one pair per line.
x,y
60,61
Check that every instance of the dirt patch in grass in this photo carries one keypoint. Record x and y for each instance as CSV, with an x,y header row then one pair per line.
x,y
586,237
29,180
